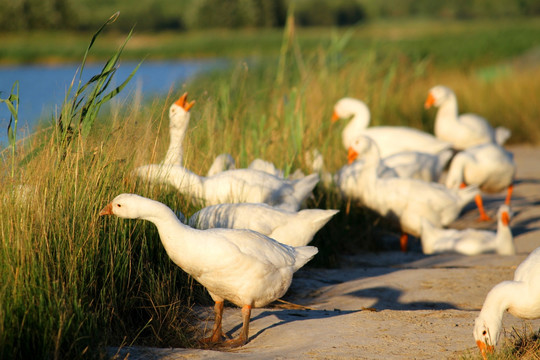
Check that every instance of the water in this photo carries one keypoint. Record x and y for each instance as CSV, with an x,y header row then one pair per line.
x,y
42,88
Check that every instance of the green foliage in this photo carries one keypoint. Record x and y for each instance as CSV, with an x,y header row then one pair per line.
x,y
328,13
158,15
37,14
445,43
83,106
450,9
12,103
234,14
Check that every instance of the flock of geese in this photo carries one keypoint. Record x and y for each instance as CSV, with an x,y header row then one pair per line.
x,y
251,237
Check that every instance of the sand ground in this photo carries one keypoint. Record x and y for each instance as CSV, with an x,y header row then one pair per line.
x,y
388,305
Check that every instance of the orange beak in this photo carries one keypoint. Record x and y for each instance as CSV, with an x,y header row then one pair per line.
x,y
182,102
351,156
429,101
107,210
335,117
505,218
484,349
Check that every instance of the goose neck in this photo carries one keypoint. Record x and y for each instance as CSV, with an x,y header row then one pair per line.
x,y
455,175
177,133
371,156
358,123
504,239
175,236
448,110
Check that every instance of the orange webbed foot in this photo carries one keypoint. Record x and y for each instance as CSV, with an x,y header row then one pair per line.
x,y
233,343
215,338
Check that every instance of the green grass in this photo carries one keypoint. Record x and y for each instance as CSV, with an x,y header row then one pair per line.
x,y
72,283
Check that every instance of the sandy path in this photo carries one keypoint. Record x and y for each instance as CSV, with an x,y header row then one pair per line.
x,y
389,305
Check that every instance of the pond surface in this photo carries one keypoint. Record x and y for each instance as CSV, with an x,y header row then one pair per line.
x,y
42,88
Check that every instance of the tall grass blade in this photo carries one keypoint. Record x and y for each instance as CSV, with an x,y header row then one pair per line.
x,y
87,124
94,37
12,102
83,107
285,45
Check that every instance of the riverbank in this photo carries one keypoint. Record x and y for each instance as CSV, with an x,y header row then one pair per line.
x,y
412,37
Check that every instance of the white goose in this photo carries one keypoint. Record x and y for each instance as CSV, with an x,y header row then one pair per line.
x,y
390,139
241,266
178,122
470,241
222,162
349,178
488,166
412,165
465,130
266,166
419,165
288,227
179,116
415,165
521,297
233,186
407,200
236,185
409,164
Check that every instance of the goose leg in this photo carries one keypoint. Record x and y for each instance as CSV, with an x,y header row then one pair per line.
x,y
216,331
243,337
480,204
403,242
509,194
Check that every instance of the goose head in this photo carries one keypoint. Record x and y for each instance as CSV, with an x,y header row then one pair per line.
x,y
504,239
347,107
360,146
437,96
127,206
504,214
485,336
179,110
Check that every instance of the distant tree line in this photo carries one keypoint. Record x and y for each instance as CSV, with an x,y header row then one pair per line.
x,y
157,15
36,14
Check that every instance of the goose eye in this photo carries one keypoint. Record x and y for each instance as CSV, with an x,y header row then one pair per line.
x,y
118,205
484,332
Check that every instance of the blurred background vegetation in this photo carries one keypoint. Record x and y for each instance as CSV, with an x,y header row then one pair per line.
x,y
184,15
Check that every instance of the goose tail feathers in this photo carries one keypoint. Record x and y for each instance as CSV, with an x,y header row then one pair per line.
x,y
303,255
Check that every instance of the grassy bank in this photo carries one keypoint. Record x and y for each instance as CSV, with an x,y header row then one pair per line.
x,y
447,43
72,283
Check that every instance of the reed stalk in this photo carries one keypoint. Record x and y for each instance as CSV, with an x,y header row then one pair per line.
x,y
12,103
